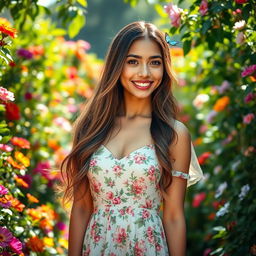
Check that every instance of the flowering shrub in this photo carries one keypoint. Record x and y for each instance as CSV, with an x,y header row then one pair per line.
x,y
218,76
40,95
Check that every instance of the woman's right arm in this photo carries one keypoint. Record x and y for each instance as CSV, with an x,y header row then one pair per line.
x,y
82,209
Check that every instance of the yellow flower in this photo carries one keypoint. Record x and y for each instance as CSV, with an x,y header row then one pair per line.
x,y
48,241
63,242
21,158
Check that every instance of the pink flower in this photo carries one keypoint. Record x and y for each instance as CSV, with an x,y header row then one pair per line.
x,y
63,123
138,186
248,118
207,252
241,1
174,13
198,198
130,211
249,97
150,235
139,159
203,9
6,148
6,237
93,162
116,200
120,235
61,226
122,212
140,248
96,186
240,38
26,54
117,169
148,204
16,245
3,190
145,214
158,247
110,195
249,70
6,95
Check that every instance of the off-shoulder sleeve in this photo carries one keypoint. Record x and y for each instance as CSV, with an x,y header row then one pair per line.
x,y
195,172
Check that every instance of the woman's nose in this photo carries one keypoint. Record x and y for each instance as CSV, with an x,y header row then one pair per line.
x,y
144,70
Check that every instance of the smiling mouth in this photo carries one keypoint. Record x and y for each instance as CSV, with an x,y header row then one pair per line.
x,y
142,85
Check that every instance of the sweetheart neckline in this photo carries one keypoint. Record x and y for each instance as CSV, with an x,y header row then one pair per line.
x,y
126,156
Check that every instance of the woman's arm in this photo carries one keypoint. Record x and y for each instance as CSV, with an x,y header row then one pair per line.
x,y
82,209
173,205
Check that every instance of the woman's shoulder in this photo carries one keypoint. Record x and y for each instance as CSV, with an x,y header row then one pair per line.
x,y
181,130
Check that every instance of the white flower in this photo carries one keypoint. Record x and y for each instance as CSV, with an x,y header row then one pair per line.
x,y
221,189
223,210
244,191
239,25
200,100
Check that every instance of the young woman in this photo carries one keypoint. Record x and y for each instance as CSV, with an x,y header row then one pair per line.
x,y
130,154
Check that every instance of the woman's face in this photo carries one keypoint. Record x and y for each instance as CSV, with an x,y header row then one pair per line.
x,y
143,69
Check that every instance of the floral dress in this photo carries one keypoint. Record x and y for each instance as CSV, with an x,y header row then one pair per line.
x,y
127,200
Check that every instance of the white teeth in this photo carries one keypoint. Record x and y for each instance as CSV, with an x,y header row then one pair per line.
x,y
142,84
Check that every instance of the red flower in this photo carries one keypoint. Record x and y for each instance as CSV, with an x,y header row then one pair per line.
x,y
20,142
8,30
241,1
12,111
202,158
198,198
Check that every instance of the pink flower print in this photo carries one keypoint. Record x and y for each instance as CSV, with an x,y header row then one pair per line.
x,y
93,162
96,239
120,235
111,183
249,70
130,211
110,195
151,172
96,186
145,214
150,235
122,212
87,252
140,248
158,247
117,169
139,159
203,9
148,204
112,254
116,200
138,186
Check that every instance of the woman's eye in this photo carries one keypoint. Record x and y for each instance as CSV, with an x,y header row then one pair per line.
x,y
132,62
156,62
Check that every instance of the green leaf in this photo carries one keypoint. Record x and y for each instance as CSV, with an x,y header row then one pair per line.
x,y
186,46
82,2
206,26
58,32
76,24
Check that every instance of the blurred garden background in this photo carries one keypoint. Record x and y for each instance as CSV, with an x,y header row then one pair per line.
x,y
51,55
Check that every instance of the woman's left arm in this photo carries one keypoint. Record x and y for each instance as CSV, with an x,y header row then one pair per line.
x,y
173,203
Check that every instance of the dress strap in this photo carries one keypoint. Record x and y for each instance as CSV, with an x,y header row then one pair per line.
x,y
179,174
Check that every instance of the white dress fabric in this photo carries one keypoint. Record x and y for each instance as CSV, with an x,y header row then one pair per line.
x,y
127,200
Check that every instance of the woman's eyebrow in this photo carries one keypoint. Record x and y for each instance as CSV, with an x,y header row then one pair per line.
x,y
140,57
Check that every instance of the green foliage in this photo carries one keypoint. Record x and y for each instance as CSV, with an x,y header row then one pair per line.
x,y
218,75
50,78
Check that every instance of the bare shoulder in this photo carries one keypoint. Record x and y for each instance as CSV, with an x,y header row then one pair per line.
x,y
183,134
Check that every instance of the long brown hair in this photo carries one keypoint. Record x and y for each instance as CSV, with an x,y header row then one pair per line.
x,y
95,122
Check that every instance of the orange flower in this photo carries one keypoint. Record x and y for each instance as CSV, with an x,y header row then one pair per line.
x,y
21,158
46,224
21,182
20,142
176,52
36,244
221,103
32,199
15,203
53,144
15,164
198,141
9,31
34,214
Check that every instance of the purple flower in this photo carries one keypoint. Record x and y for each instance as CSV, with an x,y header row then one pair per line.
x,y
16,245
5,237
61,226
249,70
5,205
249,97
26,54
3,190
